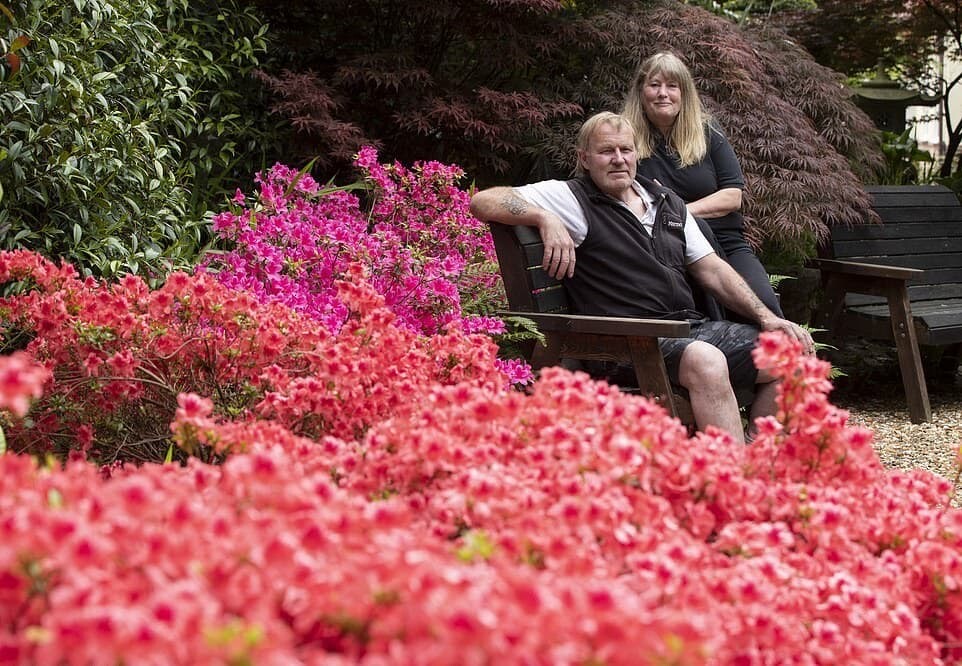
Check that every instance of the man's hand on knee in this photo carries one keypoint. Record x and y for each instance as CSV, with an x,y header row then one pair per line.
x,y
791,329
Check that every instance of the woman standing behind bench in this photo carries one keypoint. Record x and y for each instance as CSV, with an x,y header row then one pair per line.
x,y
682,148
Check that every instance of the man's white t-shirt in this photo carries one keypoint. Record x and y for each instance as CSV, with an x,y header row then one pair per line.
x,y
556,196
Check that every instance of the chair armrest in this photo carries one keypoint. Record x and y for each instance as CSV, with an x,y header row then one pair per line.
x,y
859,269
618,326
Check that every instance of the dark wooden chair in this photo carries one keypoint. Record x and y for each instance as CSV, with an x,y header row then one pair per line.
x,y
899,281
533,294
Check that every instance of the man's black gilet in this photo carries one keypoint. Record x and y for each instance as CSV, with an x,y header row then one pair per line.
x,y
620,269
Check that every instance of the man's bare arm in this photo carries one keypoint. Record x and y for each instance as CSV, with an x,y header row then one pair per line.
x,y
503,204
724,283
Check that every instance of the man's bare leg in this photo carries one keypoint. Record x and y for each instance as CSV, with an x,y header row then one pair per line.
x,y
764,402
704,372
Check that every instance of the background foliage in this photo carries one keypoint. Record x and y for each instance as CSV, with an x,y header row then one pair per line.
x,y
464,81
117,141
910,41
500,89
122,123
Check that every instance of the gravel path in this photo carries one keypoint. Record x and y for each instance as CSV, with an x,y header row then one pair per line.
x,y
874,397
903,444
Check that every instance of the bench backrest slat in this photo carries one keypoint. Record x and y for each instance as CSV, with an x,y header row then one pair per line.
x,y
895,247
915,196
541,280
528,287
921,228
919,295
944,276
553,299
923,261
933,292
896,230
924,213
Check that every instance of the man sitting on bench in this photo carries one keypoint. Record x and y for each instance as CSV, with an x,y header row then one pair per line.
x,y
633,244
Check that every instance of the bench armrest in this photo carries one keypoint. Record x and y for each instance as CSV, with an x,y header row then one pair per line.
x,y
619,326
867,270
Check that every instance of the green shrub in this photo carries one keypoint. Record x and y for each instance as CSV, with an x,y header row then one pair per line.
x,y
905,162
231,135
117,126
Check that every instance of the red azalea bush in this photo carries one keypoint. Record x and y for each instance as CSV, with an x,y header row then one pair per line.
x,y
323,314
572,525
383,498
120,353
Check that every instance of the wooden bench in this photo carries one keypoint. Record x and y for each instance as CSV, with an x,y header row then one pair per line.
x,y
899,281
533,294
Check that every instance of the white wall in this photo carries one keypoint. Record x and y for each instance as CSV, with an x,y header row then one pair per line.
x,y
927,132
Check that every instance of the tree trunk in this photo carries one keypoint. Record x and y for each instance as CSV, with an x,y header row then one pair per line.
x,y
955,138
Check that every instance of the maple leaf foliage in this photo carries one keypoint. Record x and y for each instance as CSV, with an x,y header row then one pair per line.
x,y
500,88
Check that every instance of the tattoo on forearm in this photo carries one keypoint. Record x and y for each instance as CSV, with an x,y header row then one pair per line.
x,y
514,204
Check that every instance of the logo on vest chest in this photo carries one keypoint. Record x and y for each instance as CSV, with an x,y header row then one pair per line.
x,y
674,223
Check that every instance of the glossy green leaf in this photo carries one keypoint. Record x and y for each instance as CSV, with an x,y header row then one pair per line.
x,y
107,134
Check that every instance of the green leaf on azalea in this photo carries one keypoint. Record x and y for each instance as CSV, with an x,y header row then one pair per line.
x,y
476,545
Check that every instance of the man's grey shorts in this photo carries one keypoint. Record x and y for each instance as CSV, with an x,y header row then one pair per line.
x,y
736,341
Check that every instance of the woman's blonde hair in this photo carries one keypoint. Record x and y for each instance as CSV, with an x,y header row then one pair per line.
x,y
618,122
687,136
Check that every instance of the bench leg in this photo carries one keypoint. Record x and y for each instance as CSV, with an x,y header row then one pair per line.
x,y
833,301
949,364
910,360
548,354
651,373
